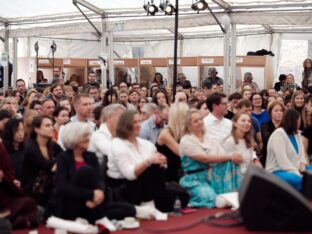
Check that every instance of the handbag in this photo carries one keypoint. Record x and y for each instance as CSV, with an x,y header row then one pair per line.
x,y
165,201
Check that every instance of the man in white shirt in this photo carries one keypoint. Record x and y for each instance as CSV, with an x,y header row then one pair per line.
x,y
216,126
83,107
101,140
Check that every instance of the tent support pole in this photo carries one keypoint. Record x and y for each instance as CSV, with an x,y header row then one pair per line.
x,y
111,59
175,57
226,54
6,50
15,61
233,58
103,52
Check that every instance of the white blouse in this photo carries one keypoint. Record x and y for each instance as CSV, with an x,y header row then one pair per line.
x,y
248,154
125,156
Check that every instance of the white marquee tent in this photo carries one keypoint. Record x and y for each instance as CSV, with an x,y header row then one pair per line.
x,y
254,25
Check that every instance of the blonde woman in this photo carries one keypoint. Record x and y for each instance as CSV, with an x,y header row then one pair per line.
x,y
168,140
290,83
201,156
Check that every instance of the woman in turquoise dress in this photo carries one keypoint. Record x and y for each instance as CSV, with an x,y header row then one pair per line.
x,y
208,170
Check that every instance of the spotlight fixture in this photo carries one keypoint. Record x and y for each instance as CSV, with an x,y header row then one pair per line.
x,y
36,47
167,7
199,5
53,47
150,8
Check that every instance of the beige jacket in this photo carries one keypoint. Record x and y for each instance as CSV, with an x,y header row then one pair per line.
x,y
281,154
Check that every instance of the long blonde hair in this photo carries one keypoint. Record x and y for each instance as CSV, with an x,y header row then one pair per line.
x,y
176,119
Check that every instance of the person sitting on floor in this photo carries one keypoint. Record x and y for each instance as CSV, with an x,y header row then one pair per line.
x,y
285,153
135,167
21,210
79,191
39,163
13,140
241,141
168,140
208,170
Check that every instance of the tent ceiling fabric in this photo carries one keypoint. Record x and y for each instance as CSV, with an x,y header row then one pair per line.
x,y
190,21
61,17
32,8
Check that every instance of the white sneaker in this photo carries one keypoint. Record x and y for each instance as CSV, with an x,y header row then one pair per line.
x,y
129,223
106,223
145,212
160,215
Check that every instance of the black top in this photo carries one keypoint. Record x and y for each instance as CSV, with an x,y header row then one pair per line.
x,y
16,157
229,115
307,133
302,125
266,130
34,162
173,170
65,170
186,84
277,86
68,191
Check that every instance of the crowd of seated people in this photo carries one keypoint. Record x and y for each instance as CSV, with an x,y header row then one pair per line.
x,y
130,150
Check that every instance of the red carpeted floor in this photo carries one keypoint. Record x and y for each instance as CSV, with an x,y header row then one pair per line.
x,y
172,222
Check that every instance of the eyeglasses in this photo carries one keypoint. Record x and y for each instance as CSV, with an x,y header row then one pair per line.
x,y
123,86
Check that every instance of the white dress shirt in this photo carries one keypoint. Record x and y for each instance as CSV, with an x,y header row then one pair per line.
x,y
100,142
125,156
217,129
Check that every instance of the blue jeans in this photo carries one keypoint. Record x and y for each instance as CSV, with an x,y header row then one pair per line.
x,y
291,178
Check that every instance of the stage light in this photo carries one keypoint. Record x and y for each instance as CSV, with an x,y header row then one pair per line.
x,y
167,7
36,47
199,5
150,8
53,47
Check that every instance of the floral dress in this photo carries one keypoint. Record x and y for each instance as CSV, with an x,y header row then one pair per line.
x,y
205,181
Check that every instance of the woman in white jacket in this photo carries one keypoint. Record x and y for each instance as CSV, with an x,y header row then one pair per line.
x,y
285,151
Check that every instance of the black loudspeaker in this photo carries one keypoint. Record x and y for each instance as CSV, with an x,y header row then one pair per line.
x,y
307,184
269,204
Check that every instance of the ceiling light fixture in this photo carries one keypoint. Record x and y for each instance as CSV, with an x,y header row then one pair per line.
x,y
199,5
167,7
150,8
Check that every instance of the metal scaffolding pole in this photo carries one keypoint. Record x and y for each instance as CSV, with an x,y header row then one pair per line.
x,y
175,54
111,59
103,54
226,55
233,58
6,57
15,61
